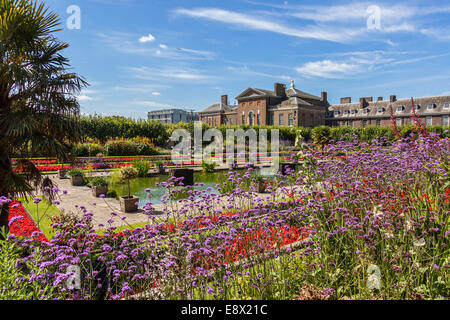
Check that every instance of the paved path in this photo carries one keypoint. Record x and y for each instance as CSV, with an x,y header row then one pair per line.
x,y
101,208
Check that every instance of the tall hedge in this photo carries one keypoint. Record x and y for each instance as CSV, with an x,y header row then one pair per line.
x,y
104,128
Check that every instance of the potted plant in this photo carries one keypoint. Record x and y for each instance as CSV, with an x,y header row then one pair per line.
x,y
76,177
62,173
128,203
260,182
99,186
160,166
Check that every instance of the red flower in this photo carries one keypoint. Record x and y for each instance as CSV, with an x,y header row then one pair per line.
x,y
25,227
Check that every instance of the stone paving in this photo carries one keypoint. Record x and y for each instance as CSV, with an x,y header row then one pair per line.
x,y
101,208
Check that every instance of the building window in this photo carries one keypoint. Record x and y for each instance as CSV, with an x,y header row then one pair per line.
x,y
398,121
430,106
447,105
445,120
281,119
381,110
231,121
400,108
259,119
251,118
378,122
243,119
272,119
290,120
429,121
364,123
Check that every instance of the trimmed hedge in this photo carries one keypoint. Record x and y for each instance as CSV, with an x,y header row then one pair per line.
x,y
104,128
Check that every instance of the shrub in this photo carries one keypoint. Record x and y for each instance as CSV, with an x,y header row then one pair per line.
x,y
142,167
209,166
321,135
98,182
75,173
111,194
120,147
127,174
87,149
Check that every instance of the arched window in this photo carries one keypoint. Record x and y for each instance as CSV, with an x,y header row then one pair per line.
x,y
251,118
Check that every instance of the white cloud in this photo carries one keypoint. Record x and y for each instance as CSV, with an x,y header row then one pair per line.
x,y
151,104
145,39
260,23
125,43
328,69
84,98
156,93
176,73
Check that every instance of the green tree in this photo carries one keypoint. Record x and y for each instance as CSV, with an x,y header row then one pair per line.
x,y
38,107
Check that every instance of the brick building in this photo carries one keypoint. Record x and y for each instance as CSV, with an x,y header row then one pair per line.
x,y
292,107
284,107
431,111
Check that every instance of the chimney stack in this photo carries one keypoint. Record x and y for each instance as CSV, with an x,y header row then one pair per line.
x,y
279,89
393,98
224,99
324,96
380,98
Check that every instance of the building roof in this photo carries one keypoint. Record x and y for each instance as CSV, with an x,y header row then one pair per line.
x,y
292,92
217,108
255,92
400,108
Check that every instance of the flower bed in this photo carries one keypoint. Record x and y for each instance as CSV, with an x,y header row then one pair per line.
x,y
21,224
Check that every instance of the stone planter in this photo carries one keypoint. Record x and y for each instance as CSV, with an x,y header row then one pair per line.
x,y
129,204
98,190
62,173
77,181
260,187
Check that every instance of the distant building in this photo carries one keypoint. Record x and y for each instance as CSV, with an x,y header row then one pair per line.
x,y
292,107
281,107
173,116
366,112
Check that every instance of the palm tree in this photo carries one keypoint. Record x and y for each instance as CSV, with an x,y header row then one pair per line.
x,y
38,108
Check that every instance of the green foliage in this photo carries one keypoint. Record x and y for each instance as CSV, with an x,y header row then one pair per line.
x,y
126,147
11,285
127,174
38,104
75,173
104,128
321,135
111,194
208,166
142,167
98,182
87,149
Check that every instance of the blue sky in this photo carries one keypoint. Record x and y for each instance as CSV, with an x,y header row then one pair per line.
x,y
143,55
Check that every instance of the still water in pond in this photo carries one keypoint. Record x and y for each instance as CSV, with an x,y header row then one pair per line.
x,y
139,185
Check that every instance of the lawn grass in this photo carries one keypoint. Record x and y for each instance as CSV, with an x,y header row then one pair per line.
x,y
41,214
